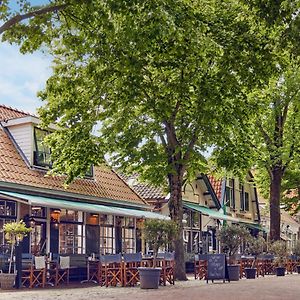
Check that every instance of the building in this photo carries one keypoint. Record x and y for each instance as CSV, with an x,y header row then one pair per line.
x,y
239,200
96,214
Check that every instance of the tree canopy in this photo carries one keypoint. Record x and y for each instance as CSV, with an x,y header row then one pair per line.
x,y
162,80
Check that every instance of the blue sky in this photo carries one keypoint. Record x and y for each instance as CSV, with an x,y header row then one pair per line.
x,y
22,76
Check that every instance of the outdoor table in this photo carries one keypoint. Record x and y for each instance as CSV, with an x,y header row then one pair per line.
x,y
93,272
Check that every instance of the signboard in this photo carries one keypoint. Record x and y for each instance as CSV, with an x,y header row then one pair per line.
x,y
217,267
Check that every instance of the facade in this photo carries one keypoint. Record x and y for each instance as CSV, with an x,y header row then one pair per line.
x,y
202,216
239,200
96,214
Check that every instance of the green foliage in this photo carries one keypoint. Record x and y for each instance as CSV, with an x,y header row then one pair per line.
x,y
279,248
14,233
159,233
232,237
255,245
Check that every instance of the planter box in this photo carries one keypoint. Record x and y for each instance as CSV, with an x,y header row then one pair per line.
x,y
234,272
280,271
149,277
7,281
250,273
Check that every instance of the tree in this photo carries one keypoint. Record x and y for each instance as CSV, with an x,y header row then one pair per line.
x,y
271,141
162,79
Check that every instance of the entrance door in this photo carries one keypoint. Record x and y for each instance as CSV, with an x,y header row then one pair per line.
x,y
54,238
92,239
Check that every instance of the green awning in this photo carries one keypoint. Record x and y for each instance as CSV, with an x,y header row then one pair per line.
x,y
209,212
83,206
255,226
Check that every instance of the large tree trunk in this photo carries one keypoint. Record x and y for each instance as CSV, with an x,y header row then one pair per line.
x,y
176,213
275,186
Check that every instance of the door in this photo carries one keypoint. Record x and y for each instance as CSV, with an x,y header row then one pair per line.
x,y
92,239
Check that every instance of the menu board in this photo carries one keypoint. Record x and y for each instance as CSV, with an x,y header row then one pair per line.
x,y
216,267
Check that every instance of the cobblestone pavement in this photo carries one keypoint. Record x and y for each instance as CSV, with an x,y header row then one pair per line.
x,y
269,287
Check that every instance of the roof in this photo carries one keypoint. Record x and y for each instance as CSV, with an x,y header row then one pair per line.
x,y
105,184
217,185
146,191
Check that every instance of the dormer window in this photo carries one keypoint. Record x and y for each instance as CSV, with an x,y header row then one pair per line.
x,y
41,154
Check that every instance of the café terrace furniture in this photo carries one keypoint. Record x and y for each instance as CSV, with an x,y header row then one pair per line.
x,y
111,269
200,266
245,262
131,263
93,271
62,270
166,260
291,264
33,271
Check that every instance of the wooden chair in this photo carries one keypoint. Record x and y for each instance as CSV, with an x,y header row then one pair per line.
x,y
200,266
34,274
130,268
246,262
167,262
63,270
111,269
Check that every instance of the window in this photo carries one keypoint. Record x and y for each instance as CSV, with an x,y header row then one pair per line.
x,y
107,237
70,238
229,191
8,208
246,201
242,197
42,151
128,235
38,212
71,231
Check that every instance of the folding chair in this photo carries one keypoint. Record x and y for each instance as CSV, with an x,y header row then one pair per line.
x,y
63,270
34,274
166,262
130,268
111,269
200,266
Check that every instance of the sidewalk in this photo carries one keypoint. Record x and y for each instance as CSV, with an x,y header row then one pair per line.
x,y
269,287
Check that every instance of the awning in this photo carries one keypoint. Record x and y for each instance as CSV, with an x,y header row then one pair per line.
x,y
209,212
83,206
254,226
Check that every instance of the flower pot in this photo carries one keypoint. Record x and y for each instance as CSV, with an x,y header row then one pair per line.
x,y
234,272
149,277
250,273
7,281
280,271
298,269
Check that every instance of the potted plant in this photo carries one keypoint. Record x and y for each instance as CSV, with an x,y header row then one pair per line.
x,y
14,233
158,233
296,252
231,238
255,246
279,248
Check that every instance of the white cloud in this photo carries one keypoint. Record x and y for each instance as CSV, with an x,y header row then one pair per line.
x,y
21,77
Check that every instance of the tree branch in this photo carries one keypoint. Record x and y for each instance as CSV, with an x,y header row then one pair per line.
x,y
18,18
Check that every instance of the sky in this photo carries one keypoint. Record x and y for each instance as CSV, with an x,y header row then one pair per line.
x,y
22,76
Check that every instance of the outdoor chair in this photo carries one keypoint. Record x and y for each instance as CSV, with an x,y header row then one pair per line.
x,y
245,262
62,270
200,266
34,274
111,269
166,261
130,268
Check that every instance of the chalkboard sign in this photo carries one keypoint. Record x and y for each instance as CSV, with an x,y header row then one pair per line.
x,y
217,267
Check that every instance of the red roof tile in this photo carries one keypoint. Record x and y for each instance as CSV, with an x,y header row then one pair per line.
x,y
217,185
106,183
